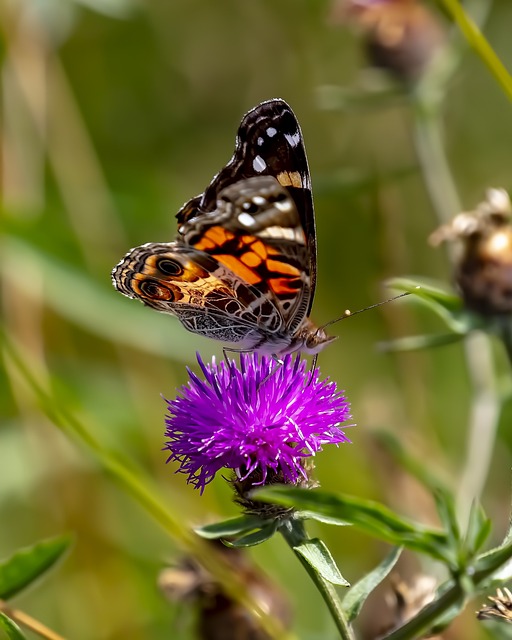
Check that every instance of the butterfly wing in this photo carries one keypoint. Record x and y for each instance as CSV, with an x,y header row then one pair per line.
x,y
207,298
255,231
269,143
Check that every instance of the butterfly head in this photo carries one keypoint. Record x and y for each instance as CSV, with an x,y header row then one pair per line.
x,y
312,338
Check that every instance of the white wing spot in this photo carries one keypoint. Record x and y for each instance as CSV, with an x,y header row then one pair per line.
x,y
246,220
293,139
258,164
271,132
260,141
259,200
284,206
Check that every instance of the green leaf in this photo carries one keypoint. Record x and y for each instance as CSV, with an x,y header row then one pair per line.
x,y
371,517
479,528
10,628
356,596
498,559
252,539
311,515
417,343
319,558
446,510
231,527
448,306
30,563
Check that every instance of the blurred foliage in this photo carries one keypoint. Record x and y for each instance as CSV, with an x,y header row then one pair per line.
x,y
114,112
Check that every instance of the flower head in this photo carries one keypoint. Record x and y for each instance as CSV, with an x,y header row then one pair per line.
x,y
258,418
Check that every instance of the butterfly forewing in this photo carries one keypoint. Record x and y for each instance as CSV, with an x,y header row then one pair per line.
x,y
269,143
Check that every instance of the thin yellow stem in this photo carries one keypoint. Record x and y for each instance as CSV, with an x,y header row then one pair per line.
x,y
479,43
23,619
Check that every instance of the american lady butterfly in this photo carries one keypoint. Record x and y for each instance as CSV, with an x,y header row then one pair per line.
x,y
242,268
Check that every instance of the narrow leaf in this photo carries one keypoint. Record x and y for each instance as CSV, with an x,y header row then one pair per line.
x,y
479,528
231,527
498,560
371,517
311,515
252,539
446,509
318,556
417,343
448,306
10,628
28,564
356,596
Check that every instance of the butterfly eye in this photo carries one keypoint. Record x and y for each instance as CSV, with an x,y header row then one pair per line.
x,y
155,291
169,267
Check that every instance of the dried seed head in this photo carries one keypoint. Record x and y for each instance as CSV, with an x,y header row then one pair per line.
x,y
484,268
500,608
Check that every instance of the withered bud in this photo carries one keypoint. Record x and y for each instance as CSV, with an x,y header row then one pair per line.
x,y
401,36
500,608
484,267
220,617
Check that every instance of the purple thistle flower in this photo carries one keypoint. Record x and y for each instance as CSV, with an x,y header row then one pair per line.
x,y
255,419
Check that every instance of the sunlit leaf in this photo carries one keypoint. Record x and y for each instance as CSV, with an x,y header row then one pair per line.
x,y
356,596
30,563
10,629
311,515
371,517
318,556
448,306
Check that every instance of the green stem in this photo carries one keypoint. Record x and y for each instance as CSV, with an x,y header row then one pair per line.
x,y
506,337
476,40
294,533
485,406
425,620
133,483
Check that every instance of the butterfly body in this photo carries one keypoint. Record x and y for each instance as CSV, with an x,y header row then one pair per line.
x,y
242,268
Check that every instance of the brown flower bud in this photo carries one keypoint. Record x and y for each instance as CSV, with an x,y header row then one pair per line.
x,y
401,36
484,268
220,617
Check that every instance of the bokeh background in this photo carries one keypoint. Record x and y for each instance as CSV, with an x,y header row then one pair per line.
x,y
114,112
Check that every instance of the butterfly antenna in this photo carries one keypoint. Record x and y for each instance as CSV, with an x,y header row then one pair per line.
x,y
349,314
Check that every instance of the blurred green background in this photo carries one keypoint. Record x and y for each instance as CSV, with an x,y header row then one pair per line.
x,y
114,112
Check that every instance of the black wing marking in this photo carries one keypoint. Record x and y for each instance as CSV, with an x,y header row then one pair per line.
x,y
269,143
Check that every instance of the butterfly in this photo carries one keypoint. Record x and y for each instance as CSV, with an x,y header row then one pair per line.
x,y
242,268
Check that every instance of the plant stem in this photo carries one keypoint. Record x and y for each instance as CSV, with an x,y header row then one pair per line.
x,y
132,481
294,533
506,337
23,619
476,40
432,612
485,405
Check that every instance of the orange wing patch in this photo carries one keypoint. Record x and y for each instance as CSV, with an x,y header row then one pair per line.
x,y
214,237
